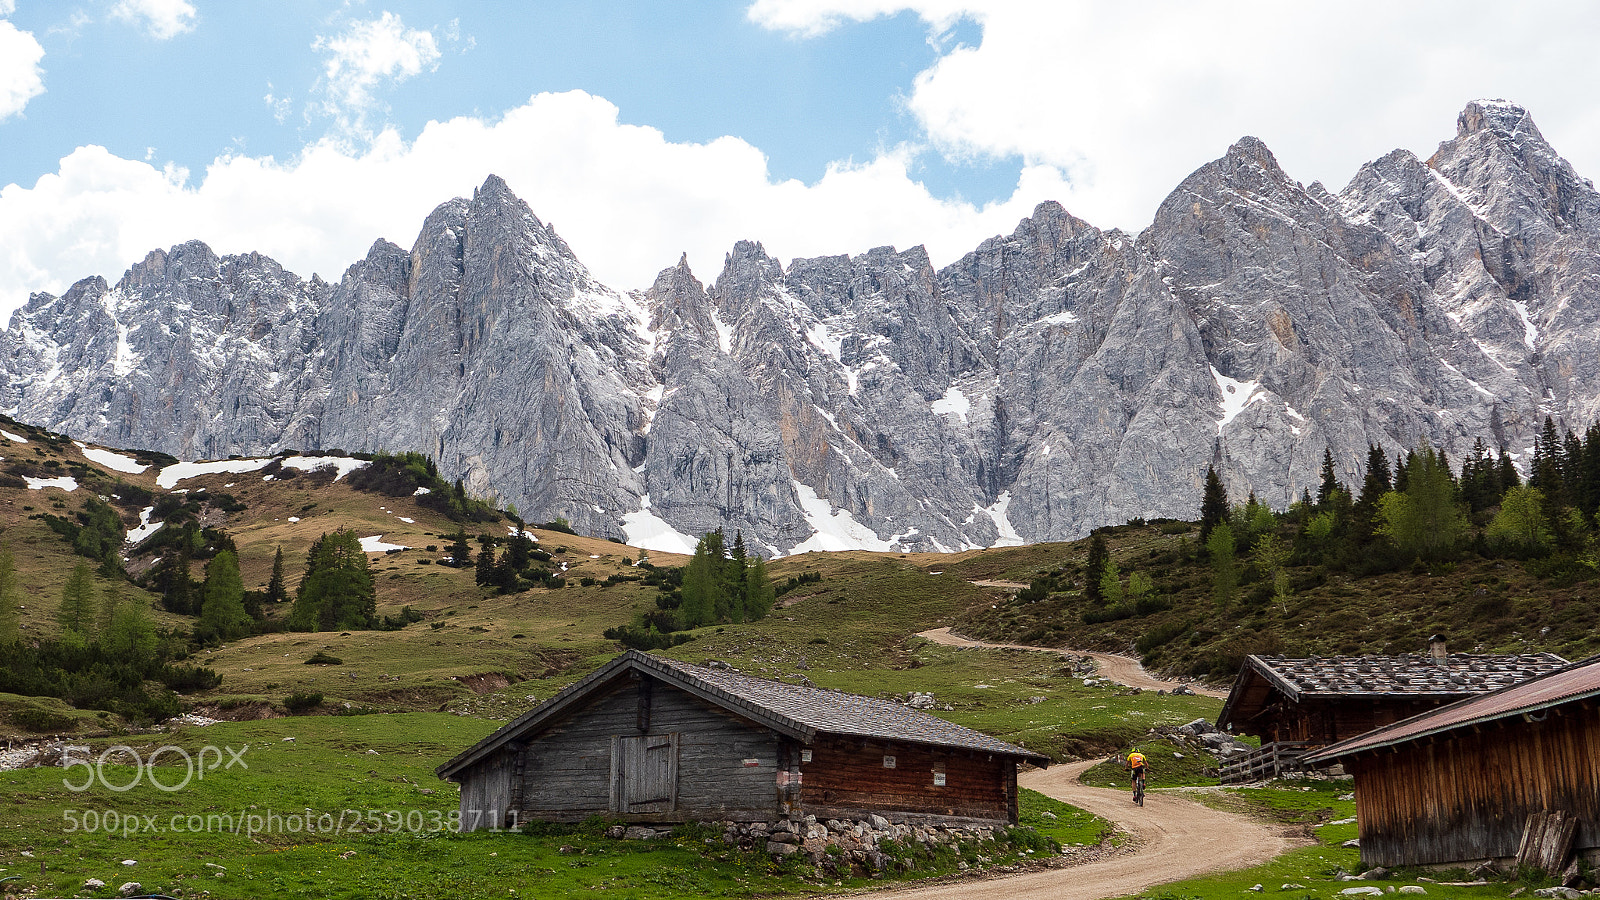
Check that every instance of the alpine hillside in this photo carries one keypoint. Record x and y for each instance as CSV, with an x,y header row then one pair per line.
x,y
1052,380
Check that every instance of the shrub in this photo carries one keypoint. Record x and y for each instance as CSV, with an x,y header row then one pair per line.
x,y
298,702
322,659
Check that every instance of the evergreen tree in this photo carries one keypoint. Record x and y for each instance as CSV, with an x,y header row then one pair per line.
x,y
77,613
1425,520
505,575
485,574
519,550
276,591
1213,504
222,598
723,585
1330,480
1378,480
336,591
1224,576
171,577
1111,584
1509,477
10,604
1094,569
109,598
460,550
758,591
130,635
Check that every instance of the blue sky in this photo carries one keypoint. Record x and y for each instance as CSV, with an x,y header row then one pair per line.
x,y
307,129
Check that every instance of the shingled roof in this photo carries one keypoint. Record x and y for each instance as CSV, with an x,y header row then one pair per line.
x,y
1409,674
795,710
1578,682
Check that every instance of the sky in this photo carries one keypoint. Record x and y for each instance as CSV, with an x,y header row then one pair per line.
x,y
307,129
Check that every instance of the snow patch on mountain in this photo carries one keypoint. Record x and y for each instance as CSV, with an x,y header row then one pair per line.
x,y
834,529
114,461
648,530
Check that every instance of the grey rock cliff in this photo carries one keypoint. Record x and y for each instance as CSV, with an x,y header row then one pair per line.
x,y
1053,379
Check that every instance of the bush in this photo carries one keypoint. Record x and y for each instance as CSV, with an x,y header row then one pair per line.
x,y
41,721
322,659
297,702
188,679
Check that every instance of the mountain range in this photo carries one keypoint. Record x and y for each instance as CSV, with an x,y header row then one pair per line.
x,y
1052,380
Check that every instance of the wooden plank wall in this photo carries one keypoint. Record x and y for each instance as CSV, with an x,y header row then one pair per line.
x,y
567,769
1324,721
486,794
1468,796
846,778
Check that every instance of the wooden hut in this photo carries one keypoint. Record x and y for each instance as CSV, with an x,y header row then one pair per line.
x,y
1297,705
651,740
1493,777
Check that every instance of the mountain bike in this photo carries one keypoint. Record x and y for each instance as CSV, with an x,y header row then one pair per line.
x,y
1138,789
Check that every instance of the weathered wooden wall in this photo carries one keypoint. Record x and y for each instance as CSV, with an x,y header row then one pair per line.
x,y
486,794
846,778
1467,795
1326,721
568,769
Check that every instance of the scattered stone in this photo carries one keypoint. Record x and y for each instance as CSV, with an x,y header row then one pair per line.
x,y
1292,886
129,888
638,833
93,884
1365,891
1352,844
779,848
918,700
130,862
1257,889
1413,889
616,832
1375,874
1561,893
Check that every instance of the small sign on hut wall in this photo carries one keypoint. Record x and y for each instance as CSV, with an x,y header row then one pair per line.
x,y
752,763
805,756
888,762
938,779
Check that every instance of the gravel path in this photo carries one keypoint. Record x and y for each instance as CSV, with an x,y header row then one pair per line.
x,y
1121,669
1175,838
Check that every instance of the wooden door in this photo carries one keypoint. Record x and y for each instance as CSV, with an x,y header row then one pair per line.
x,y
644,773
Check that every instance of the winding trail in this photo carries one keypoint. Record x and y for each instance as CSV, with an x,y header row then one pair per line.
x,y
1121,669
1176,839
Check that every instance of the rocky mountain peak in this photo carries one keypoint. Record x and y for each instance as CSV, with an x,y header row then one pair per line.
x,y
1499,116
1054,379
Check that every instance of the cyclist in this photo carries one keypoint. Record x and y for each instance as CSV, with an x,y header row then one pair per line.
x,y
1137,766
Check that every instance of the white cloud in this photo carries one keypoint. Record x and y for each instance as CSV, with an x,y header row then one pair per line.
x,y
21,78
161,19
626,199
366,54
7,7
1128,98
810,18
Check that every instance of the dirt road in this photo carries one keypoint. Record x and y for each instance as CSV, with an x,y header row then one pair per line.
x,y
1121,669
1177,839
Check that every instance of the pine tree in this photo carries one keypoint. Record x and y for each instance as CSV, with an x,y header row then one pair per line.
x,y
460,550
77,613
336,591
10,605
222,603
1111,584
1425,519
276,591
1330,480
1377,481
109,598
758,591
1094,569
1224,576
485,574
1213,504
130,635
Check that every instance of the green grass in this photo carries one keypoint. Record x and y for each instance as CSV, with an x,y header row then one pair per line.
x,y
383,825
1168,767
1067,825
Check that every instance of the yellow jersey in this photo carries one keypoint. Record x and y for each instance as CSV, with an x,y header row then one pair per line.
x,y
1135,760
